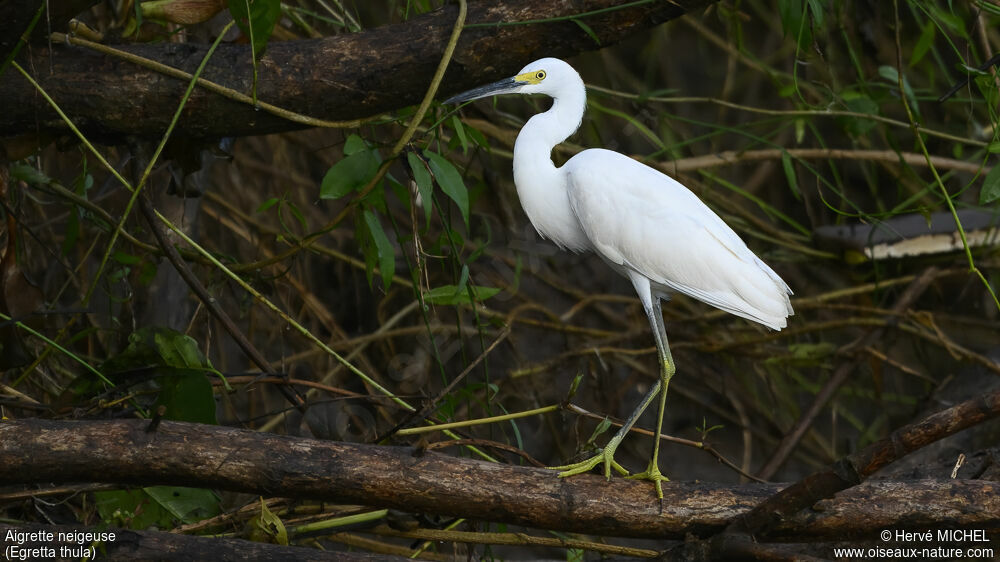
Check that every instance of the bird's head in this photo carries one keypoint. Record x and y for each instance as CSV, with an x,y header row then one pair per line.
x,y
547,76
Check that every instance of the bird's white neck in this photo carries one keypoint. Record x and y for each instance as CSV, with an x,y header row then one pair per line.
x,y
540,185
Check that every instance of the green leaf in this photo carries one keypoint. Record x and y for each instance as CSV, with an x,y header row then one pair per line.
x,y
354,144
858,103
454,295
187,396
892,75
28,174
463,279
988,7
293,209
477,137
451,183
267,204
816,9
156,506
256,18
794,22
350,174
456,124
789,167
125,258
790,12
425,186
586,29
924,43
185,504
601,428
386,251
991,187
178,350
268,527
181,371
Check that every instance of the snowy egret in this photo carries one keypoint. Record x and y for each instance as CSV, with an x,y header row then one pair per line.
x,y
642,223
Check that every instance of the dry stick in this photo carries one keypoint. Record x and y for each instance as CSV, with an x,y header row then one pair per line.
x,y
522,539
730,157
432,405
851,470
841,375
382,549
485,444
211,304
300,382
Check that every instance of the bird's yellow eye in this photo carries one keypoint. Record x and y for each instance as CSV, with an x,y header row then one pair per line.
x,y
540,75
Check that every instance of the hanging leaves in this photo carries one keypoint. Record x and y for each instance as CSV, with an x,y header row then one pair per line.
x,y
353,172
450,180
256,18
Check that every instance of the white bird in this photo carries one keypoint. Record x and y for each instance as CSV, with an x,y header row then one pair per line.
x,y
644,224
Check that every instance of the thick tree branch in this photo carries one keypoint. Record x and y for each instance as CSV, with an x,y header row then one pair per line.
x,y
36,451
16,17
344,77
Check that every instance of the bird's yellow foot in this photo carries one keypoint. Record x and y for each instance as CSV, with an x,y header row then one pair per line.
x,y
652,474
606,456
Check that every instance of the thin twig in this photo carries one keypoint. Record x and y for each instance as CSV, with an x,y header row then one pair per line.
x,y
210,302
522,539
840,376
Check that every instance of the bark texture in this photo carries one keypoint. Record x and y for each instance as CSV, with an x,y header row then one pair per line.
x,y
343,77
39,451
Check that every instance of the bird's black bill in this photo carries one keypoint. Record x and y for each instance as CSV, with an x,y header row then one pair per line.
x,y
504,86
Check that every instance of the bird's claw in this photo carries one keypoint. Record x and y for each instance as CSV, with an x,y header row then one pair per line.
x,y
654,475
606,456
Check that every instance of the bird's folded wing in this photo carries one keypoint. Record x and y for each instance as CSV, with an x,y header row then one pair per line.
x,y
641,219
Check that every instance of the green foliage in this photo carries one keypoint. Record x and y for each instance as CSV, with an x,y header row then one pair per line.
x,y
256,19
161,507
858,103
268,527
991,187
516,317
798,18
890,74
586,29
459,129
789,167
601,429
704,429
923,44
455,294
284,205
353,172
179,368
425,186
450,181
379,251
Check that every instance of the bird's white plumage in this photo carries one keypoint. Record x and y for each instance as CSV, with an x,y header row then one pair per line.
x,y
644,224
648,222
635,217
